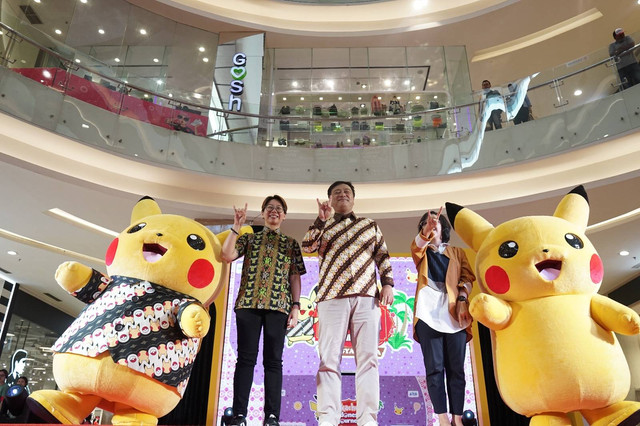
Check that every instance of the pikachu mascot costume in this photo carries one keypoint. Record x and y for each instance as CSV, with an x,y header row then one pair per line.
x,y
131,350
554,347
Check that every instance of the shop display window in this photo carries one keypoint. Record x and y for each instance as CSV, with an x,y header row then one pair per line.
x,y
26,351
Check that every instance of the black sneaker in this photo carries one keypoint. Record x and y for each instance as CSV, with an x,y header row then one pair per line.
x,y
239,420
272,420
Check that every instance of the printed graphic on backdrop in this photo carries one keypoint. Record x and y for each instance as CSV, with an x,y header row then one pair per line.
x,y
404,399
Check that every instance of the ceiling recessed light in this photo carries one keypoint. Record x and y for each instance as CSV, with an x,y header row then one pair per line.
x,y
85,126
83,1
364,86
101,31
302,98
418,98
284,98
387,83
57,31
201,48
159,81
435,96
117,59
624,253
294,84
407,82
77,61
156,60
321,98
143,31
339,98
578,92
12,253
205,59
359,98
170,95
37,1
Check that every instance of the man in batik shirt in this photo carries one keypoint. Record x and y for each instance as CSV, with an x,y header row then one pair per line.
x,y
268,300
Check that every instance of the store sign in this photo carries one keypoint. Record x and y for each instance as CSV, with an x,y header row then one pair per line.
x,y
238,73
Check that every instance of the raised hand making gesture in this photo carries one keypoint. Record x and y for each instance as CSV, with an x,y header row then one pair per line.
x,y
324,210
431,223
239,217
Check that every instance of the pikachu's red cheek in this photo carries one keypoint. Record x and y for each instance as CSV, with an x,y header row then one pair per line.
x,y
201,273
111,252
497,280
597,270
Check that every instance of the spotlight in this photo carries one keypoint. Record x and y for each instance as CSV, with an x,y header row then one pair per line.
x,y
468,418
16,399
227,416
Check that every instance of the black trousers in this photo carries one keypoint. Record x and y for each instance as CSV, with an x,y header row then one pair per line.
x,y
444,354
250,323
630,73
522,116
495,120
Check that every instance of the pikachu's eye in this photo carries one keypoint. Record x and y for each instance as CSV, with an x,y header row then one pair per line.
x,y
196,242
508,249
136,228
574,241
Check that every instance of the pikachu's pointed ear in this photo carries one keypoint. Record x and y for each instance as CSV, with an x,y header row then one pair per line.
x,y
574,207
471,227
147,206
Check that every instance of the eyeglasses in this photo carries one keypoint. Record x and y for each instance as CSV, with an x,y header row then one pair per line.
x,y
271,208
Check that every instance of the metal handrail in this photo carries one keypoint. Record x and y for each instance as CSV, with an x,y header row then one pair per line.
x,y
70,63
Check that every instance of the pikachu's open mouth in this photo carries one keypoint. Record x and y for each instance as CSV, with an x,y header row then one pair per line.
x,y
153,252
549,269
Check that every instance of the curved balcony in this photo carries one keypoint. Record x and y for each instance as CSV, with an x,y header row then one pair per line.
x,y
131,121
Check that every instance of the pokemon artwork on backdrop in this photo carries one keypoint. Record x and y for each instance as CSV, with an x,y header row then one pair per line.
x,y
554,346
132,348
403,389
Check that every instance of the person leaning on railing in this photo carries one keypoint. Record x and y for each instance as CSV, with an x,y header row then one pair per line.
x,y
628,67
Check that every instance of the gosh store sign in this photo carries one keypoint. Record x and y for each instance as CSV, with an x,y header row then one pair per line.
x,y
238,73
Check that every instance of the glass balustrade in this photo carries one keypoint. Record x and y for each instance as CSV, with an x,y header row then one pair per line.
x,y
76,95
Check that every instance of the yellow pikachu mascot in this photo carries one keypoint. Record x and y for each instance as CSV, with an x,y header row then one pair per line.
x,y
554,347
132,348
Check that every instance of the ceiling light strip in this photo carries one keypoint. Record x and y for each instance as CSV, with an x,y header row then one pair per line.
x,y
40,245
539,36
61,214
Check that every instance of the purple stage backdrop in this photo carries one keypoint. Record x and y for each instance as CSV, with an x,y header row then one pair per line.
x,y
404,399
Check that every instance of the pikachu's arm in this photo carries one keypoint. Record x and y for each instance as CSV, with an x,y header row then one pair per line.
x,y
194,320
81,281
490,311
614,316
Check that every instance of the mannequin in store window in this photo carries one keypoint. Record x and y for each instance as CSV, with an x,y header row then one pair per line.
x,y
394,105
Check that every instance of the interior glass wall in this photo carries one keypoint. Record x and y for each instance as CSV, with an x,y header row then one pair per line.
x,y
120,41
358,82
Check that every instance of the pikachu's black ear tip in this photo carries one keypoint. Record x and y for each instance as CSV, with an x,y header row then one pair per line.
x,y
452,212
580,191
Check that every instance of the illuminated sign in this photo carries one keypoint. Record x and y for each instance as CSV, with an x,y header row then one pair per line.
x,y
238,73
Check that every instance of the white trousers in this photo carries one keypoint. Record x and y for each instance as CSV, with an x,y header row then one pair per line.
x,y
361,316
